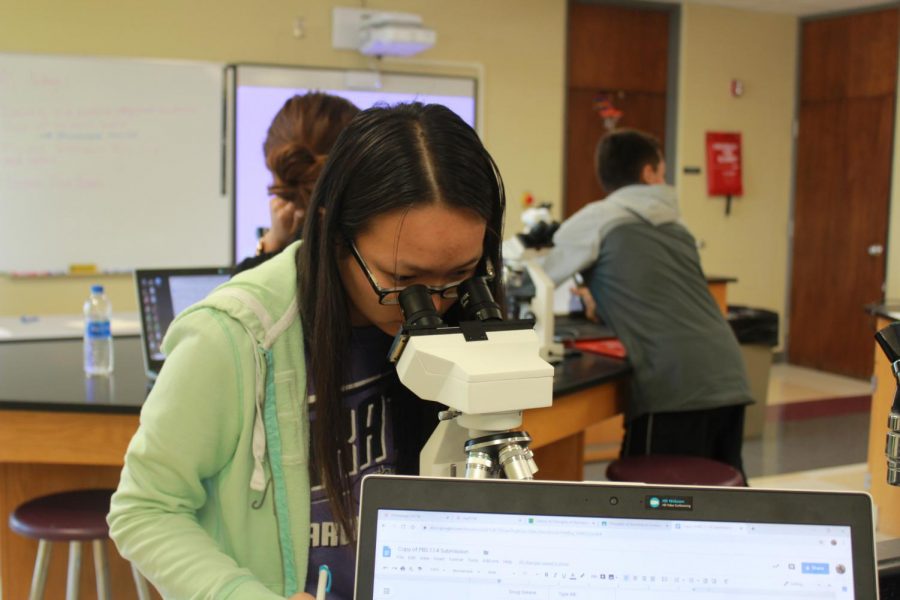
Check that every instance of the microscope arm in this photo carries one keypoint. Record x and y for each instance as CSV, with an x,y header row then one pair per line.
x,y
542,307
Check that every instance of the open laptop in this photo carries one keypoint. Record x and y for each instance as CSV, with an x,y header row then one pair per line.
x,y
459,539
162,294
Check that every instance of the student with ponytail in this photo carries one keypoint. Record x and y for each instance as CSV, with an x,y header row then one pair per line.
x,y
297,145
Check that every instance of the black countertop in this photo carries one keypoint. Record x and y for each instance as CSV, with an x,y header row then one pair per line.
x,y
720,279
525,290
586,370
48,376
890,310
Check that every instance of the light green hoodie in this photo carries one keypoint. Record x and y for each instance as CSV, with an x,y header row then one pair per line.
x,y
214,499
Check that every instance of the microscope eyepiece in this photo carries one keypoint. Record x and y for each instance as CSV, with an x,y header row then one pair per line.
x,y
477,302
417,307
889,340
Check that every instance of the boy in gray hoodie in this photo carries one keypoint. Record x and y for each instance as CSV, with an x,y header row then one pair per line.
x,y
641,266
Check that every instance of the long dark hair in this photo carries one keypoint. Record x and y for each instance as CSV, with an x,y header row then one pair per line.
x,y
387,159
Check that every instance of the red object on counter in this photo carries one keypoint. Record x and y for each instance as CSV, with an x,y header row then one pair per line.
x,y
608,347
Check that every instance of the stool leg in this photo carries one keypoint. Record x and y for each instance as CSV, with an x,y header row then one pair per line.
x,y
101,569
140,584
41,563
72,580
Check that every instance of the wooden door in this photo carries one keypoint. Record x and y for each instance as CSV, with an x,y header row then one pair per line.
x,y
621,53
844,159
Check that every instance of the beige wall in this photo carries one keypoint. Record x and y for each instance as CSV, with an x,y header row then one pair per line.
x,y
518,45
718,45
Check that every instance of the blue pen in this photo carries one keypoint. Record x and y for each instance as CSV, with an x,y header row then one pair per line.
x,y
324,582
28,318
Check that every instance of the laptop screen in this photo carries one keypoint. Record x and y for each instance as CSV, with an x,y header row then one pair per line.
x,y
162,295
441,538
478,555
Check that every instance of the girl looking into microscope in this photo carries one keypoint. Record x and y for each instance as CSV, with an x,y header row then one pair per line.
x,y
277,395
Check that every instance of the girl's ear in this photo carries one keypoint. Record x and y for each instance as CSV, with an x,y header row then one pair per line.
x,y
648,174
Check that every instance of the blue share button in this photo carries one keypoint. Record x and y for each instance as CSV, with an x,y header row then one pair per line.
x,y
814,568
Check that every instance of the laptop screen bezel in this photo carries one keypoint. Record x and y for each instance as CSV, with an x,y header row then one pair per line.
x,y
153,365
628,501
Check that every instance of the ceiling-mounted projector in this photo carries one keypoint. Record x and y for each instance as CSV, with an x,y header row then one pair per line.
x,y
394,34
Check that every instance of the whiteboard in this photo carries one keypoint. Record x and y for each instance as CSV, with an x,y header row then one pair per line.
x,y
111,161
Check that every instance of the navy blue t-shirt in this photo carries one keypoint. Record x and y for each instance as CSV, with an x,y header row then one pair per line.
x,y
371,446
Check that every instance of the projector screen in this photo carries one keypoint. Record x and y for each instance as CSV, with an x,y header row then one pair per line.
x,y
256,95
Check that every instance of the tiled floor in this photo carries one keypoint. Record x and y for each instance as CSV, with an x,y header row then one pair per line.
x,y
815,435
807,411
790,446
789,384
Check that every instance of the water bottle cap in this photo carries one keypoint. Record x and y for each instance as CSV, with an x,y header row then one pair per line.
x,y
96,289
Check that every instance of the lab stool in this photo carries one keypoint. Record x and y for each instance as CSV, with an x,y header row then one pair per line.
x,y
664,469
74,517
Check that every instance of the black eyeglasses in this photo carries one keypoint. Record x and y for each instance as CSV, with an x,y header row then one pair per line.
x,y
391,296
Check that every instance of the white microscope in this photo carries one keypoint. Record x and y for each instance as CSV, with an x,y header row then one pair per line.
x,y
522,253
486,371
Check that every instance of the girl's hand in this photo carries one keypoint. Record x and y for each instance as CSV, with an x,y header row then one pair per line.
x,y
286,220
301,596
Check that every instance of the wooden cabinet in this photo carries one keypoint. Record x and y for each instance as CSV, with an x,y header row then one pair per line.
x,y
44,452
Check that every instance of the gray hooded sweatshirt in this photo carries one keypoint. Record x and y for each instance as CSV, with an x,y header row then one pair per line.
x,y
643,269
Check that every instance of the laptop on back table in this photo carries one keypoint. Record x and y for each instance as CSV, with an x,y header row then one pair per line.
x,y
162,294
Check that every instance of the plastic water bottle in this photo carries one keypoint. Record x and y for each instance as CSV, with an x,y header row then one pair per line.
x,y
98,349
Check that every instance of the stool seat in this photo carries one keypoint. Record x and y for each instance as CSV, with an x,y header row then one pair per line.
x,y
674,470
64,517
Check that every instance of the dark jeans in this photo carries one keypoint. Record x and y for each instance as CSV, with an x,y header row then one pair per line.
x,y
716,433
